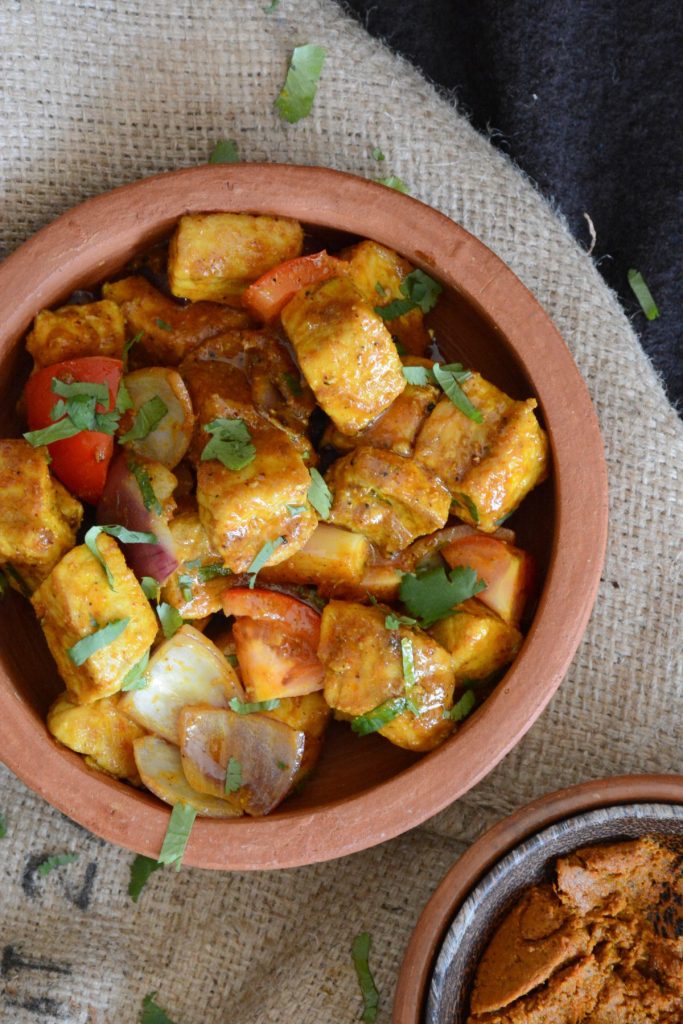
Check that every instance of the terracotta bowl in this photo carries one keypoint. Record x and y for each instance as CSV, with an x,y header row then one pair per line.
x,y
461,917
364,791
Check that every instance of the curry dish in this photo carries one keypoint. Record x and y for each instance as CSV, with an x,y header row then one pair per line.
x,y
252,496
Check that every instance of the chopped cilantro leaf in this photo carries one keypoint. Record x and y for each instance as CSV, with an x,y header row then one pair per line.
x,y
123,400
231,659
298,92
134,678
296,510
200,574
462,707
163,325
360,954
56,861
449,378
373,721
55,432
419,291
261,559
122,534
3,826
149,498
432,594
394,620
140,871
85,648
271,6
233,776
244,708
80,388
148,417
128,346
293,383
230,443
377,154
152,1013
150,588
418,375
170,618
225,152
319,495
282,766
465,501
380,289
177,835
643,294
393,182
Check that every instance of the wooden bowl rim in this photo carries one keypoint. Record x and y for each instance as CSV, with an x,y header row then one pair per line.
x,y
131,216
434,921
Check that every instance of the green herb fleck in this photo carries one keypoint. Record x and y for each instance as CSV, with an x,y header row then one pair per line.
x,y
462,707
360,953
170,618
200,574
152,1013
380,289
231,659
466,501
419,291
140,871
85,648
230,443
123,400
319,495
3,826
79,388
297,95
393,182
261,559
271,7
244,708
432,594
373,721
282,766
377,154
449,378
163,325
233,776
56,861
296,510
16,576
225,152
420,375
394,620
293,383
148,417
134,678
55,432
128,346
149,498
151,588
122,534
177,835
643,294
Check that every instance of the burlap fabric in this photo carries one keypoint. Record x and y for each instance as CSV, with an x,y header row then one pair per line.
x,y
94,94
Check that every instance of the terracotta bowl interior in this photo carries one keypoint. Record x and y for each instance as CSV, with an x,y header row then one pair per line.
x,y
526,865
349,769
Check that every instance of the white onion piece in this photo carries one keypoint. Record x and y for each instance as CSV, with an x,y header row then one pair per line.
x,y
169,441
187,669
160,768
268,753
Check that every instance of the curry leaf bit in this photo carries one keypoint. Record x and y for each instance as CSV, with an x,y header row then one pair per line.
x,y
55,861
233,776
419,291
170,618
432,594
134,678
122,534
3,826
151,588
243,708
377,154
230,443
149,498
465,501
261,559
163,325
449,377
394,620
393,182
643,294
177,835
360,953
152,1012
420,375
373,721
462,707
293,383
128,346
298,92
85,648
319,495
140,871
225,152
148,417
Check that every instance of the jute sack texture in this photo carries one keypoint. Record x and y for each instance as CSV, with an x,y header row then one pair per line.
x,y
97,94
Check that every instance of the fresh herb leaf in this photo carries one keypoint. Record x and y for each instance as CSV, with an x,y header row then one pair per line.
x,y
461,708
200,574
122,534
296,510
360,953
319,495
225,152
149,498
123,400
418,375
419,291
56,861
152,1013
465,501
380,289
140,871
85,648
148,417
231,659
394,620
298,92
449,378
163,325
134,678
373,721
80,388
230,443
377,154
282,766
151,588
393,182
233,776
244,708
3,826
261,559
432,594
128,346
643,294
293,383
271,7
170,618
177,835
55,432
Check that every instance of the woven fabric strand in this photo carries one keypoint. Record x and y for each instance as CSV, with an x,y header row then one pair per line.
x,y
98,93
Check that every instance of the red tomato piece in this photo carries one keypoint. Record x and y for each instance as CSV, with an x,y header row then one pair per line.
x,y
507,572
259,603
80,462
275,662
267,296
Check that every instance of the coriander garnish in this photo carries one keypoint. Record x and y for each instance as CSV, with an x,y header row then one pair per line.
x,y
177,835
465,501
433,594
134,678
377,154
57,860
233,776
224,152
261,559
245,708
152,1012
373,721
319,495
148,417
230,443
298,92
360,954
151,588
419,291
149,498
449,377
3,826
163,325
122,534
643,294
140,871
419,375
85,648
393,182
462,707
170,618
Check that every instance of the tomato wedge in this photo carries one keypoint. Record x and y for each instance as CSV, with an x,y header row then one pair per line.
x,y
267,296
80,462
507,572
260,603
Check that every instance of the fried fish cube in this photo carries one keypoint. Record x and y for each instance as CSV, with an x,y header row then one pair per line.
x,y
478,641
38,517
93,329
216,255
345,353
364,667
390,499
378,273
395,429
100,731
193,593
75,600
330,556
244,509
169,331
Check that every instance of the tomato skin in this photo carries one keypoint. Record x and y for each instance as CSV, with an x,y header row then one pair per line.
x,y
301,620
507,571
267,296
80,462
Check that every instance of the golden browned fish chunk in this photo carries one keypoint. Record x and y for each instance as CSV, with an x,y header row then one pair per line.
x,y
390,499
364,667
216,255
479,642
345,353
395,429
93,329
310,715
38,517
169,331
195,593
329,557
278,390
76,600
100,731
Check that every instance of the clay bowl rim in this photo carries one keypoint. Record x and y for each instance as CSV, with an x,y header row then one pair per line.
x,y
90,241
419,959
